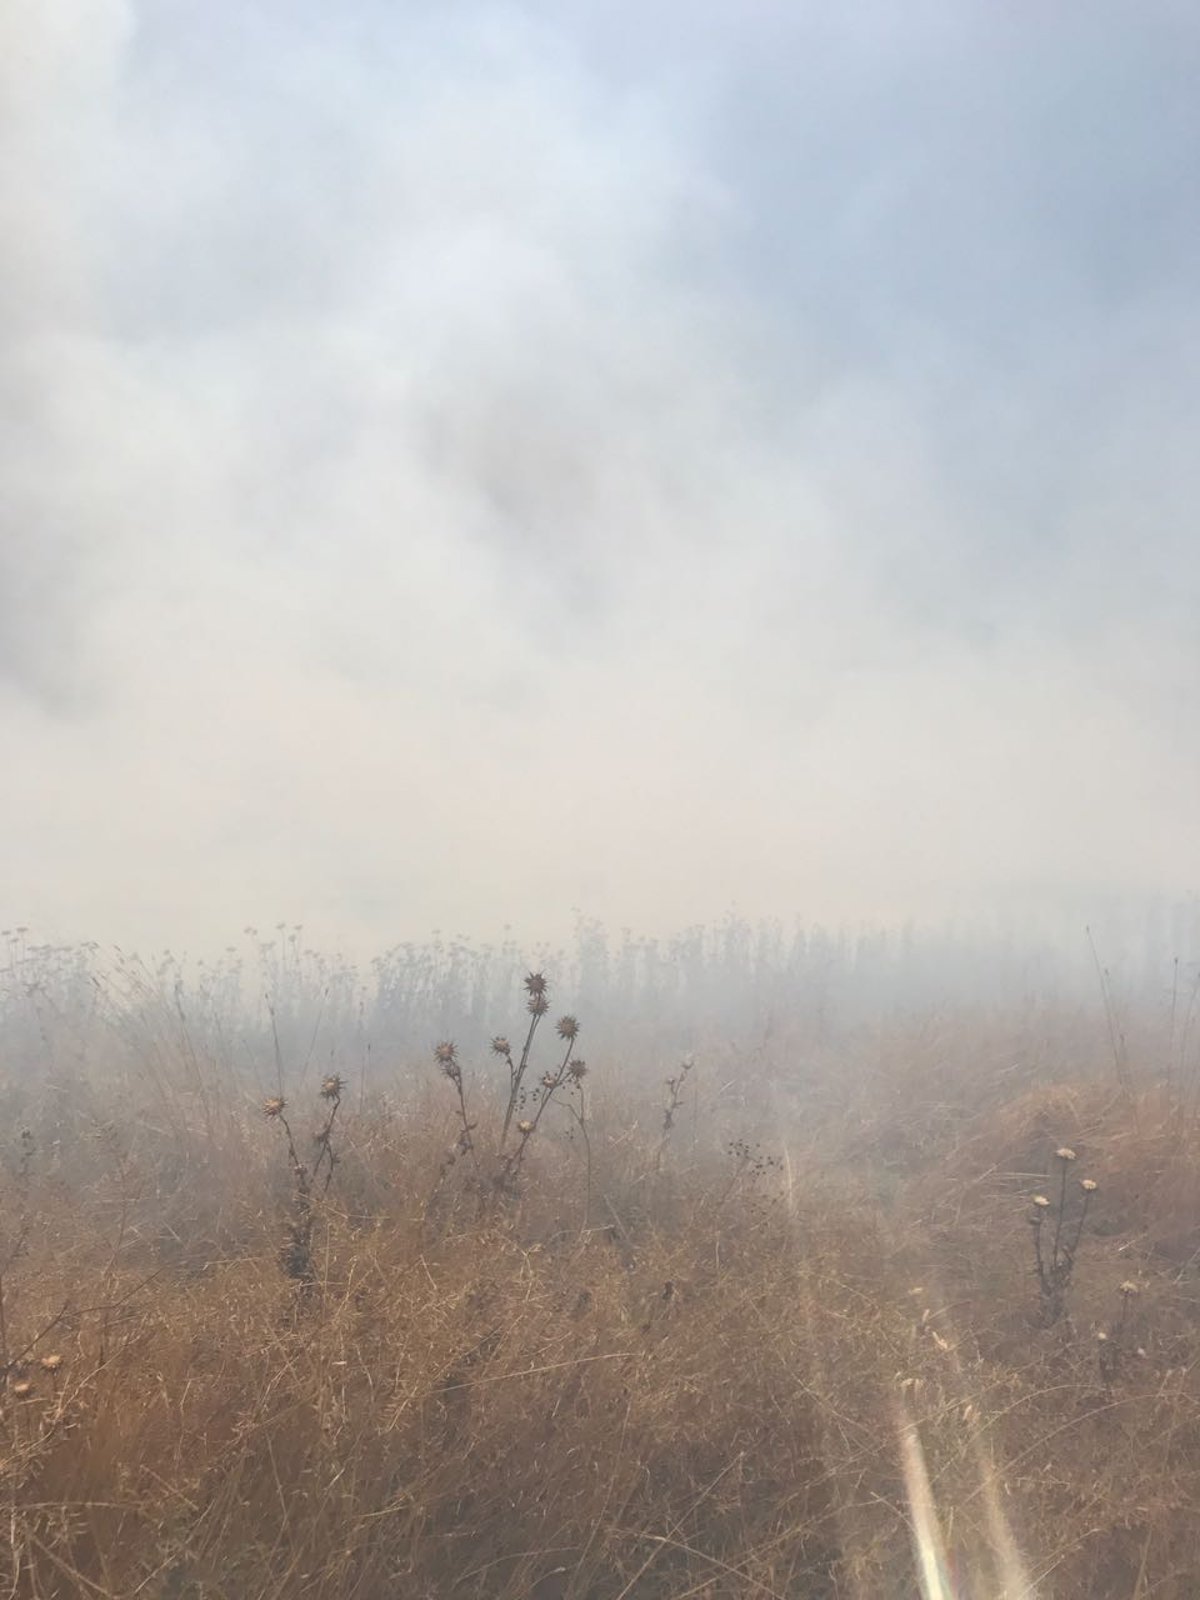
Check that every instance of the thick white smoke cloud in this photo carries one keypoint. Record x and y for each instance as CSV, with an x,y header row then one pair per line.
x,y
456,471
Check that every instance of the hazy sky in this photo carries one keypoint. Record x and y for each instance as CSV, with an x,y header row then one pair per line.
x,y
466,462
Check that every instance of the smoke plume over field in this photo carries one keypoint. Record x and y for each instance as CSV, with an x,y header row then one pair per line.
x,y
465,465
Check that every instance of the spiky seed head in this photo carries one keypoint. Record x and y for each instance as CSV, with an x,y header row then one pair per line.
x,y
1064,1153
578,1070
525,1128
273,1106
549,1081
536,984
1088,1185
1041,1202
568,1028
1129,1288
446,1055
501,1046
537,1005
332,1086
51,1363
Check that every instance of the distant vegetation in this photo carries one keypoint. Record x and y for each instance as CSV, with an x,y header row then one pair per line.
x,y
755,1264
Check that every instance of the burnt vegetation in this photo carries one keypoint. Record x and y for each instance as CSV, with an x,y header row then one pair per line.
x,y
301,1313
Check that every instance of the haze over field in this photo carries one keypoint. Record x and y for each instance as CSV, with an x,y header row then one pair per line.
x,y
466,464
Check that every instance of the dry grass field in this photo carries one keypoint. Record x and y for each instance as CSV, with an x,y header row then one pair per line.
x,y
792,1324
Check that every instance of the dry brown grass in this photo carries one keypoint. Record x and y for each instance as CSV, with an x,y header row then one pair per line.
x,y
688,1387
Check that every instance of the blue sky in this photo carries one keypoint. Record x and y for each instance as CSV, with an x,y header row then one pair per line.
x,y
464,464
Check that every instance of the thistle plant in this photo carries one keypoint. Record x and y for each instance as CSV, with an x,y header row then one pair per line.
x,y
295,1255
1054,1264
446,1056
675,1087
576,1106
537,1003
551,1082
524,1107
1116,1343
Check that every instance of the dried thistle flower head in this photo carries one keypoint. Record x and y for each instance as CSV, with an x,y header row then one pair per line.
x,y
577,1070
273,1106
549,1081
1088,1185
537,1005
536,985
331,1087
446,1055
568,1028
501,1046
525,1128
1041,1202
51,1363
1065,1153
1129,1287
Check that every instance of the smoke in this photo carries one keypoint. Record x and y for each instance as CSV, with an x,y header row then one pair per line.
x,y
56,73
461,468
